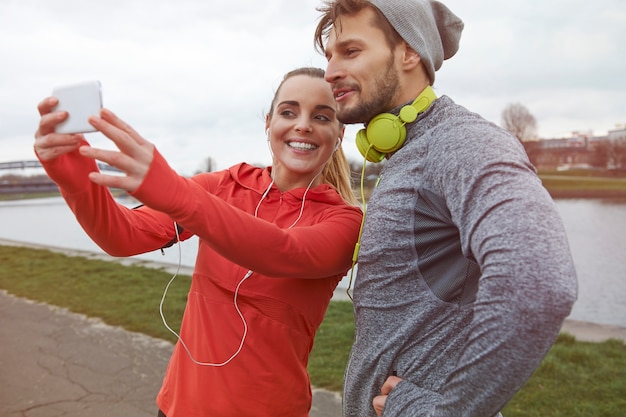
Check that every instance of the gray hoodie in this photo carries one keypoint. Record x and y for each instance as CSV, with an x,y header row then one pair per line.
x,y
464,274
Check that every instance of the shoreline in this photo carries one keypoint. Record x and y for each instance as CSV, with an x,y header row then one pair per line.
x,y
565,194
582,330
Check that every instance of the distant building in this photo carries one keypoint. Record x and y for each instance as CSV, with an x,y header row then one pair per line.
x,y
618,135
582,150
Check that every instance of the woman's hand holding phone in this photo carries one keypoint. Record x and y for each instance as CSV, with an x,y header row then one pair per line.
x,y
78,110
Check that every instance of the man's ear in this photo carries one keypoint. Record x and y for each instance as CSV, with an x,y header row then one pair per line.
x,y
410,58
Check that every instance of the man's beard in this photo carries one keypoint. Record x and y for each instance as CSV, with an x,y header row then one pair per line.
x,y
381,96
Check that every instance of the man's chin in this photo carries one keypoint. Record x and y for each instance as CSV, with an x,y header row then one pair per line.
x,y
351,116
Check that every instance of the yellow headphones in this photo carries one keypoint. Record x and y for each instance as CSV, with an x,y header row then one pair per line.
x,y
386,133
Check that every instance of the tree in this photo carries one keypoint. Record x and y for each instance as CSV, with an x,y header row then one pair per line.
x,y
520,122
619,154
601,154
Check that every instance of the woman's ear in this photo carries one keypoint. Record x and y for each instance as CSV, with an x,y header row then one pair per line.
x,y
267,123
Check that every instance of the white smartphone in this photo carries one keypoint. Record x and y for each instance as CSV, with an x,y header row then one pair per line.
x,y
80,101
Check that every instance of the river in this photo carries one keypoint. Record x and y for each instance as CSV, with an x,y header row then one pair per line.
x,y
596,230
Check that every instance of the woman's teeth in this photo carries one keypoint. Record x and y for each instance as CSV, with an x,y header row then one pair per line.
x,y
302,145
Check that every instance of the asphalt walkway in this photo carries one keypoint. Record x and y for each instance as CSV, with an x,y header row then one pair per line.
x,y
54,363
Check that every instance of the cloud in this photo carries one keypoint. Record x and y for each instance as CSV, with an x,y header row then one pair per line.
x,y
196,77
561,60
192,76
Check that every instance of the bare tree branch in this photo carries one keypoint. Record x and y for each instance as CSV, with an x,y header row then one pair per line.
x,y
520,122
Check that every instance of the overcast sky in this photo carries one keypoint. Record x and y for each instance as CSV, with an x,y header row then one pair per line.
x,y
195,77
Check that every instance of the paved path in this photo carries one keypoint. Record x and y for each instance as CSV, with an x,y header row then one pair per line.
x,y
56,363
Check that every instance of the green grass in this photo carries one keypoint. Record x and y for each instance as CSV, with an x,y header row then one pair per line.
x,y
555,182
27,196
584,184
332,346
575,379
119,295
581,183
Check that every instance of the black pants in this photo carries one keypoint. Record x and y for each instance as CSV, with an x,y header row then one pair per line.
x,y
161,414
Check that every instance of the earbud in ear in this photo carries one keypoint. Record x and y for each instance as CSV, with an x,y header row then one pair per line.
x,y
338,144
269,143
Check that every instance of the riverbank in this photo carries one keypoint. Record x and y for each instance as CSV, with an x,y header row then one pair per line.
x,y
590,194
582,330
555,192
592,184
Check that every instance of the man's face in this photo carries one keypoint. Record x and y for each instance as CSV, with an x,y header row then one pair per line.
x,y
361,69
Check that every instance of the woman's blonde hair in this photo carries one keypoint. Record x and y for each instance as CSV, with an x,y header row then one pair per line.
x,y
337,171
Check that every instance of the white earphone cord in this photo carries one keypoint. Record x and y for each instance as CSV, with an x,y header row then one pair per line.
x,y
246,276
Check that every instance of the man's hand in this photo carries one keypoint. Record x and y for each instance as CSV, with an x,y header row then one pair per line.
x,y
388,386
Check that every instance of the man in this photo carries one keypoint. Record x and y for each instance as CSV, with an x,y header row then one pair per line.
x,y
465,274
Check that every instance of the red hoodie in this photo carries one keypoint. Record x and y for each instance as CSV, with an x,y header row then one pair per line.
x,y
284,301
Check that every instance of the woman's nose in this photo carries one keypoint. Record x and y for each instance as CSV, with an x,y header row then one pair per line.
x,y
303,125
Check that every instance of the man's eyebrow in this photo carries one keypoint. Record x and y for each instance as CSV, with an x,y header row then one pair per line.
x,y
345,43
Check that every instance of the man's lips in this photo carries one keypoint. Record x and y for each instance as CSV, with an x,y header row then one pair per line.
x,y
342,94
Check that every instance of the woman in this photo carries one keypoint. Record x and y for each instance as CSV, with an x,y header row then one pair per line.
x,y
273,245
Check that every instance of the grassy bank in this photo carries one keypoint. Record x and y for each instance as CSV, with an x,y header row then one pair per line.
x,y
27,196
580,183
575,379
584,184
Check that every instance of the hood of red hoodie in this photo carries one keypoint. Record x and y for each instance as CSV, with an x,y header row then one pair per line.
x,y
258,179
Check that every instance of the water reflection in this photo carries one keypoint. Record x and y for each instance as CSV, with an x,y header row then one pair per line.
x,y
596,232
595,228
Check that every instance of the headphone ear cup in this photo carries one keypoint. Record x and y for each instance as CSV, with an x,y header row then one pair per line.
x,y
386,132
365,149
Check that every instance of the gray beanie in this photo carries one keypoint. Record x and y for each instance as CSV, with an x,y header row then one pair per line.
x,y
428,26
